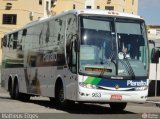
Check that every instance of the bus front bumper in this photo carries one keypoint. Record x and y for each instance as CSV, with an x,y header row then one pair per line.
x,y
97,95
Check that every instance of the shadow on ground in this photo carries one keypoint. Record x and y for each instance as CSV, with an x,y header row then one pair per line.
x,y
74,108
81,108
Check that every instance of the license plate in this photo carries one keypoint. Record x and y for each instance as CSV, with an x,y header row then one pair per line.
x,y
116,97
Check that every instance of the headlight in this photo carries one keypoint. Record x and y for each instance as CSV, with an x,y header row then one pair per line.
x,y
82,84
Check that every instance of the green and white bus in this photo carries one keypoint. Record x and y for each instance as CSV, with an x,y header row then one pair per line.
x,y
94,56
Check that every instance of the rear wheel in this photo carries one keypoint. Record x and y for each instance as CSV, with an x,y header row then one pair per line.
x,y
18,95
118,106
52,99
24,97
11,92
16,91
10,88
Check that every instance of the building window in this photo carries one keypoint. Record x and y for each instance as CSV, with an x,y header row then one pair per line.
x,y
40,2
109,7
108,1
98,7
123,10
89,7
53,3
74,6
10,19
132,2
157,32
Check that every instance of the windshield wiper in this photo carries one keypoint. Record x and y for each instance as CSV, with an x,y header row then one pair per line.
x,y
108,61
128,67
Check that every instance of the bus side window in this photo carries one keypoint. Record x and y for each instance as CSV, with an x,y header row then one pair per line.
x,y
24,32
71,56
15,36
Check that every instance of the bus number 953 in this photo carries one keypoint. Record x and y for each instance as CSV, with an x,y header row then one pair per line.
x,y
96,95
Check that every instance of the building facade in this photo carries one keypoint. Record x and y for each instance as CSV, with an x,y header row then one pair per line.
x,y
129,6
153,32
16,13
62,5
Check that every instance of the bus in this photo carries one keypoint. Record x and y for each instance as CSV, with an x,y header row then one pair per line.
x,y
93,56
154,76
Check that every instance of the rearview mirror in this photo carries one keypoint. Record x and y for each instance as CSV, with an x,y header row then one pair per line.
x,y
155,56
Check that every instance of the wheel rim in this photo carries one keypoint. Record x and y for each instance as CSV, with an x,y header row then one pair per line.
x,y
61,95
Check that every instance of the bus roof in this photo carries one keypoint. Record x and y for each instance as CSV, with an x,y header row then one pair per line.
x,y
78,12
104,12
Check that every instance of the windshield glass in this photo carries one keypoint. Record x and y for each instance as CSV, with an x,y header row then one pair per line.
x,y
112,48
132,48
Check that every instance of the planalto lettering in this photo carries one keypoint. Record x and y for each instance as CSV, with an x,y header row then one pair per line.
x,y
136,83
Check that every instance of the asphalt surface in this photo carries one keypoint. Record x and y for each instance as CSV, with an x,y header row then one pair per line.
x,y
42,108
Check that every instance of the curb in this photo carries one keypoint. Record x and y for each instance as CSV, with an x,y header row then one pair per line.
x,y
157,103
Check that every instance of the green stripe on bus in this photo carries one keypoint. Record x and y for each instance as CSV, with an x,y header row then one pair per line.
x,y
92,80
89,80
96,81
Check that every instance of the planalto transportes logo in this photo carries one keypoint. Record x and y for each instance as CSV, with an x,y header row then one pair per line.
x,y
136,83
119,83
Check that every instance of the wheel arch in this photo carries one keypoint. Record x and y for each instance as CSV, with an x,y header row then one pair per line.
x,y
59,81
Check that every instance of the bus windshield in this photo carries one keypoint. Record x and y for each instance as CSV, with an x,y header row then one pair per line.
x,y
112,47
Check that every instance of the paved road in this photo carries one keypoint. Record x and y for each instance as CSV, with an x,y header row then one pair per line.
x,y
40,107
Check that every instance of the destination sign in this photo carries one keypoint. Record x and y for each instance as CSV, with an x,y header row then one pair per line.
x,y
98,69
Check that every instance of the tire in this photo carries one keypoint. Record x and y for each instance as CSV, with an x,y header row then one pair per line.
x,y
24,97
10,89
18,95
60,101
118,106
11,93
16,91
53,101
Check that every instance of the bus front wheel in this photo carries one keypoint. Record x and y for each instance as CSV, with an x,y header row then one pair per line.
x,y
118,106
60,99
